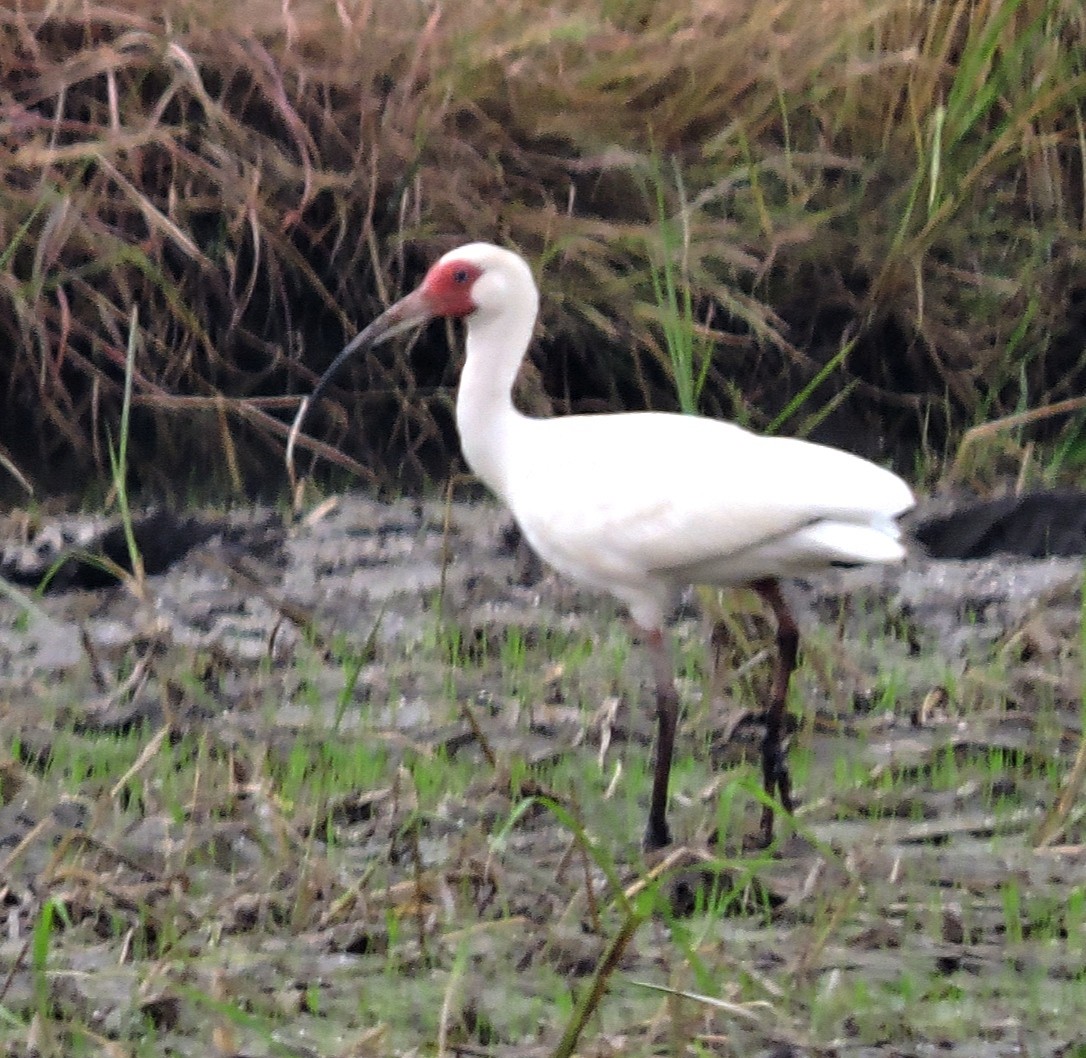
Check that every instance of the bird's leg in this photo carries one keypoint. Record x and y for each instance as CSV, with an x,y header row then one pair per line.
x,y
657,834
774,763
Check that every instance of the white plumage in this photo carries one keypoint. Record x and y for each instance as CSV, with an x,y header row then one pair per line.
x,y
641,504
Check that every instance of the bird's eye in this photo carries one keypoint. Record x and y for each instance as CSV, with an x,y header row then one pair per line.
x,y
460,275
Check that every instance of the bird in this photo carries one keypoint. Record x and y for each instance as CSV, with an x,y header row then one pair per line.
x,y
642,504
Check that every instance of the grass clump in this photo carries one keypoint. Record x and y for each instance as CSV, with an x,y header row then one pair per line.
x,y
894,190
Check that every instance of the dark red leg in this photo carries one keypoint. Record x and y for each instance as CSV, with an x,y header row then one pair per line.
x,y
774,762
657,834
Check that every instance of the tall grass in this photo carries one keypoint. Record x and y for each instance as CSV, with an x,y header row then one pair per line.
x,y
689,352
118,457
260,179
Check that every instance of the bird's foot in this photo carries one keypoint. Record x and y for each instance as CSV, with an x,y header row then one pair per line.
x,y
765,829
761,839
657,835
777,784
782,787
775,776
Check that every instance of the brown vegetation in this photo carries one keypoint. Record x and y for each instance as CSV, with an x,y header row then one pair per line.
x,y
256,179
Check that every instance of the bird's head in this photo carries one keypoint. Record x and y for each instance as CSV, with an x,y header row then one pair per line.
x,y
475,279
478,279
473,282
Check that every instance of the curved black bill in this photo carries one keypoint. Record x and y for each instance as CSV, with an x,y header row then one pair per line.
x,y
408,312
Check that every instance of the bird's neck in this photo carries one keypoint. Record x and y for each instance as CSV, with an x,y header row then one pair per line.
x,y
485,416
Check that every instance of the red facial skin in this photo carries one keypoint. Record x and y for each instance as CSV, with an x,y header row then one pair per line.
x,y
447,288
446,291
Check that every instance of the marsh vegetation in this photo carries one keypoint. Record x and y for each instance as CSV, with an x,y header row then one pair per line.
x,y
374,783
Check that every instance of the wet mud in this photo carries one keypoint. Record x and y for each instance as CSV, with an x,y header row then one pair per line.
x,y
937,720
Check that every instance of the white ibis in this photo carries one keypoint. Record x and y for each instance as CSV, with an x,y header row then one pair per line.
x,y
640,504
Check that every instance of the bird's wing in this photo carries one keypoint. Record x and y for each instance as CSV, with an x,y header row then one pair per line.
x,y
656,492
